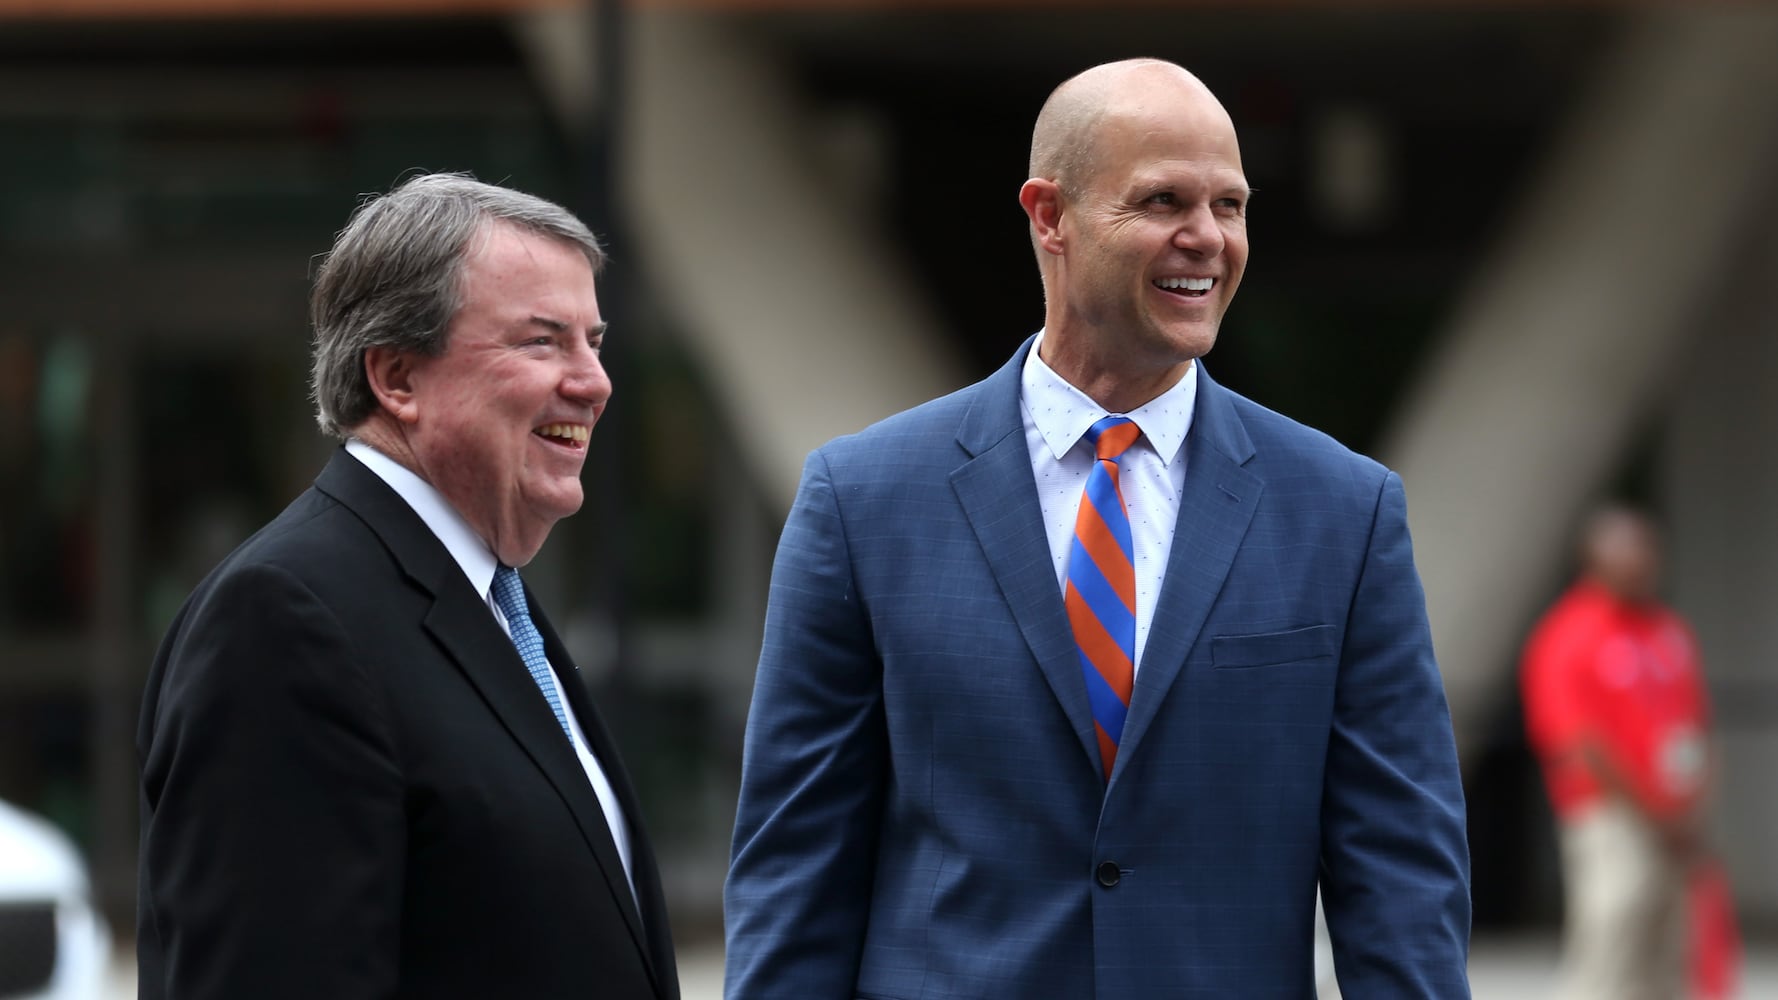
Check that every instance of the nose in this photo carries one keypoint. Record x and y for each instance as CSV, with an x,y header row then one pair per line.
x,y
585,380
1199,232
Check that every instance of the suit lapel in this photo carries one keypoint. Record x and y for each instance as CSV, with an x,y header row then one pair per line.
x,y
649,928
463,626
999,496
1215,509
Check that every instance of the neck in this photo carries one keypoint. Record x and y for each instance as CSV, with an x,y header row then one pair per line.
x,y
1116,385
377,433
1625,597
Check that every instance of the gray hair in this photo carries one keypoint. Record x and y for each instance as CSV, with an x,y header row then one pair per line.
x,y
393,278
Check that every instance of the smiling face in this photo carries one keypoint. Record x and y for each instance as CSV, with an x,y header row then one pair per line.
x,y
1144,252
499,421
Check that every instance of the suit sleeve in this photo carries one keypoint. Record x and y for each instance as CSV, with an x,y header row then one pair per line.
x,y
273,820
798,893
1395,854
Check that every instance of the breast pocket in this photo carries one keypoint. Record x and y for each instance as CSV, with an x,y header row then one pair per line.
x,y
1271,649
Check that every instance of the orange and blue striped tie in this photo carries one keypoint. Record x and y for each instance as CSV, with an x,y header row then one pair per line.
x,y
1101,591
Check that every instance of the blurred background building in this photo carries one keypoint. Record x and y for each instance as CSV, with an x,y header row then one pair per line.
x,y
1526,254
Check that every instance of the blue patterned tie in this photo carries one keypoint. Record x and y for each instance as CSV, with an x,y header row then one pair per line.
x,y
1101,591
509,593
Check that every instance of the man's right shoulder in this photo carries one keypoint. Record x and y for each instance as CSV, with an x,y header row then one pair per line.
x,y
1572,622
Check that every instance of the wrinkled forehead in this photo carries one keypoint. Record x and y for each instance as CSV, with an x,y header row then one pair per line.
x,y
1175,119
1161,142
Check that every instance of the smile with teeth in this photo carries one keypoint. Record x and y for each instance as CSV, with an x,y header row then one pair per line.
x,y
573,435
1191,287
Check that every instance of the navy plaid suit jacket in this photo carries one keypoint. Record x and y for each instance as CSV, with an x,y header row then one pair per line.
x,y
922,809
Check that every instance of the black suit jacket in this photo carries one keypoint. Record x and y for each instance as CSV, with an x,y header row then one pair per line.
x,y
351,786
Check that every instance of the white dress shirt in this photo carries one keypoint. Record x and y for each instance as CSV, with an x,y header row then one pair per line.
x,y
1151,473
478,563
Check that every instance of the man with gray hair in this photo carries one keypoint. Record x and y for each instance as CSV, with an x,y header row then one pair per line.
x,y
369,766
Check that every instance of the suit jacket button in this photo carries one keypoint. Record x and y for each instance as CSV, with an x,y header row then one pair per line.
x,y
1108,873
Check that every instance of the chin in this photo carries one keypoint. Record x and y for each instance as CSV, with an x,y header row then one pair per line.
x,y
1181,346
1200,338
565,502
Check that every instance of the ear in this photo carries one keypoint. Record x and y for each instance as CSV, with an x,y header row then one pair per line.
x,y
1042,201
390,373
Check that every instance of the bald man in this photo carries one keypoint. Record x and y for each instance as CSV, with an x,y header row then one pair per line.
x,y
1078,682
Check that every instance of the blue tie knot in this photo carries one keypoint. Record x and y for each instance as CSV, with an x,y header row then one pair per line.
x,y
509,593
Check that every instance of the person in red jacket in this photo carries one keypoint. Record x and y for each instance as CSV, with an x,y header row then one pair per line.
x,y
1616,711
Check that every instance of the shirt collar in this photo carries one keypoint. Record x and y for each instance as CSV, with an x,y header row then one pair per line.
x,y
1063,414
465,546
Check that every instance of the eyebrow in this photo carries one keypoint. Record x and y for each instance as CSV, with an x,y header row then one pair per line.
x,y
557,326
1163,183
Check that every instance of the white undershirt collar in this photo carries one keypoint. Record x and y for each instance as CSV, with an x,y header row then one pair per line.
x,y
459,539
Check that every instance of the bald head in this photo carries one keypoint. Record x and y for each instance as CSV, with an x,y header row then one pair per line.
x,y
1064,144
1138,211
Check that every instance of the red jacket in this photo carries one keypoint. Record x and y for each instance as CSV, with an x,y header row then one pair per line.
x,y
1626,677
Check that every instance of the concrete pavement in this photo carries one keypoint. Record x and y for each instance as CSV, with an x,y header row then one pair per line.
x,y
1518,968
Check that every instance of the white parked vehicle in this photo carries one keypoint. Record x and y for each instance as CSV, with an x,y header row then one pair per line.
x,y
53,945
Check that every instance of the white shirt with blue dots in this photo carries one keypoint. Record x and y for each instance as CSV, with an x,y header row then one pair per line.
x,y
1151,474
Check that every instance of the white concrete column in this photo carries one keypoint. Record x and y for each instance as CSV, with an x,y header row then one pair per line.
x,y
1566,340
792,297
789,293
